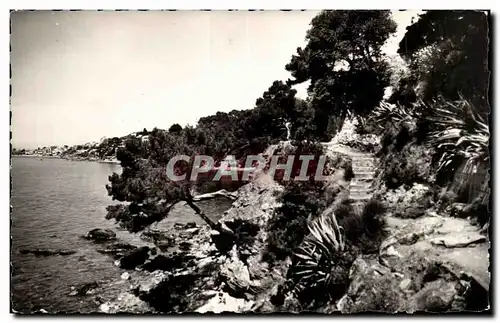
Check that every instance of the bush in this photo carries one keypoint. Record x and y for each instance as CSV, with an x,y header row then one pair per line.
x,y
411,164
136,218
477,210
320,267
402,138
288,227
365,229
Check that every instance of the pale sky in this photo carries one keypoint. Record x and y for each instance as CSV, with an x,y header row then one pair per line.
x,y
80,76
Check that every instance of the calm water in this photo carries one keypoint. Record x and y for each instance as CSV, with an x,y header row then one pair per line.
x,y
55,202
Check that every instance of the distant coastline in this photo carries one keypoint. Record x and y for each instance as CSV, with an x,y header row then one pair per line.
x,y
103,161
103,151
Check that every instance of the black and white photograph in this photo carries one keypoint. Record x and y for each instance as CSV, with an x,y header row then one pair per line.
x,y
244,162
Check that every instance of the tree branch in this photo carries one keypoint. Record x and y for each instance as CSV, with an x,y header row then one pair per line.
x,y
219,193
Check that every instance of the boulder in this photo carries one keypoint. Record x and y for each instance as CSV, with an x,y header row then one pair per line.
x,y
134,258
101,235
157,236
117,250
436,296
84,289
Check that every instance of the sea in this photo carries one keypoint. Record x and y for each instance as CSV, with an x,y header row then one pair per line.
x,y
54,202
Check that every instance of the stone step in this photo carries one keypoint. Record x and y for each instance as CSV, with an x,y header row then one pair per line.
x,y
362,180
361,186
364,176
361,155
361,190
364,197
360,169
363,163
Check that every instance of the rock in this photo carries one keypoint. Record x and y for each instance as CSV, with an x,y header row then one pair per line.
x,y
459,240
225,303
190,225
39,252
178,226
105,308
436,296
236,276
456,209
185,235
126,303
84,289
125,276
117,250
157,236
405,283
193,231
165,246
185,246
101,235
134,258
169,262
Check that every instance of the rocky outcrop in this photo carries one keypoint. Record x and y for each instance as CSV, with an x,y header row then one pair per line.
x,y
203,271
432,264
117,249
100,235
84,289
134,258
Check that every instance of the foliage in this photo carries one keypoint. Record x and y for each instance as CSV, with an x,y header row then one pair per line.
x,y
303,127
461,135
144,181
344,62
363,229
386,113
447,51
288,227
318,255
175,128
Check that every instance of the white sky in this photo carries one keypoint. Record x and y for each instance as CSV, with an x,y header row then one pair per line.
x,y
80,76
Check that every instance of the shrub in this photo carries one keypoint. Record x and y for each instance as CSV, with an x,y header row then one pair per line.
x,y
402,138
288,226
365,229
412,164
317,255
320,266
446,197
136,218
463,134
478,210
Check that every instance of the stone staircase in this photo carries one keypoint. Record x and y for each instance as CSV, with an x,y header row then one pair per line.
x,y
363,165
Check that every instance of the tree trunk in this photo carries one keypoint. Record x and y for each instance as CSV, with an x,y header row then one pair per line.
x,y
208,196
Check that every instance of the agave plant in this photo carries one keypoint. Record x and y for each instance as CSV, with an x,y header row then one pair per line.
x,y
392,113
316,256
462,134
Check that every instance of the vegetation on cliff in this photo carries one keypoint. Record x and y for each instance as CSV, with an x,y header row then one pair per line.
x,y
309,238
